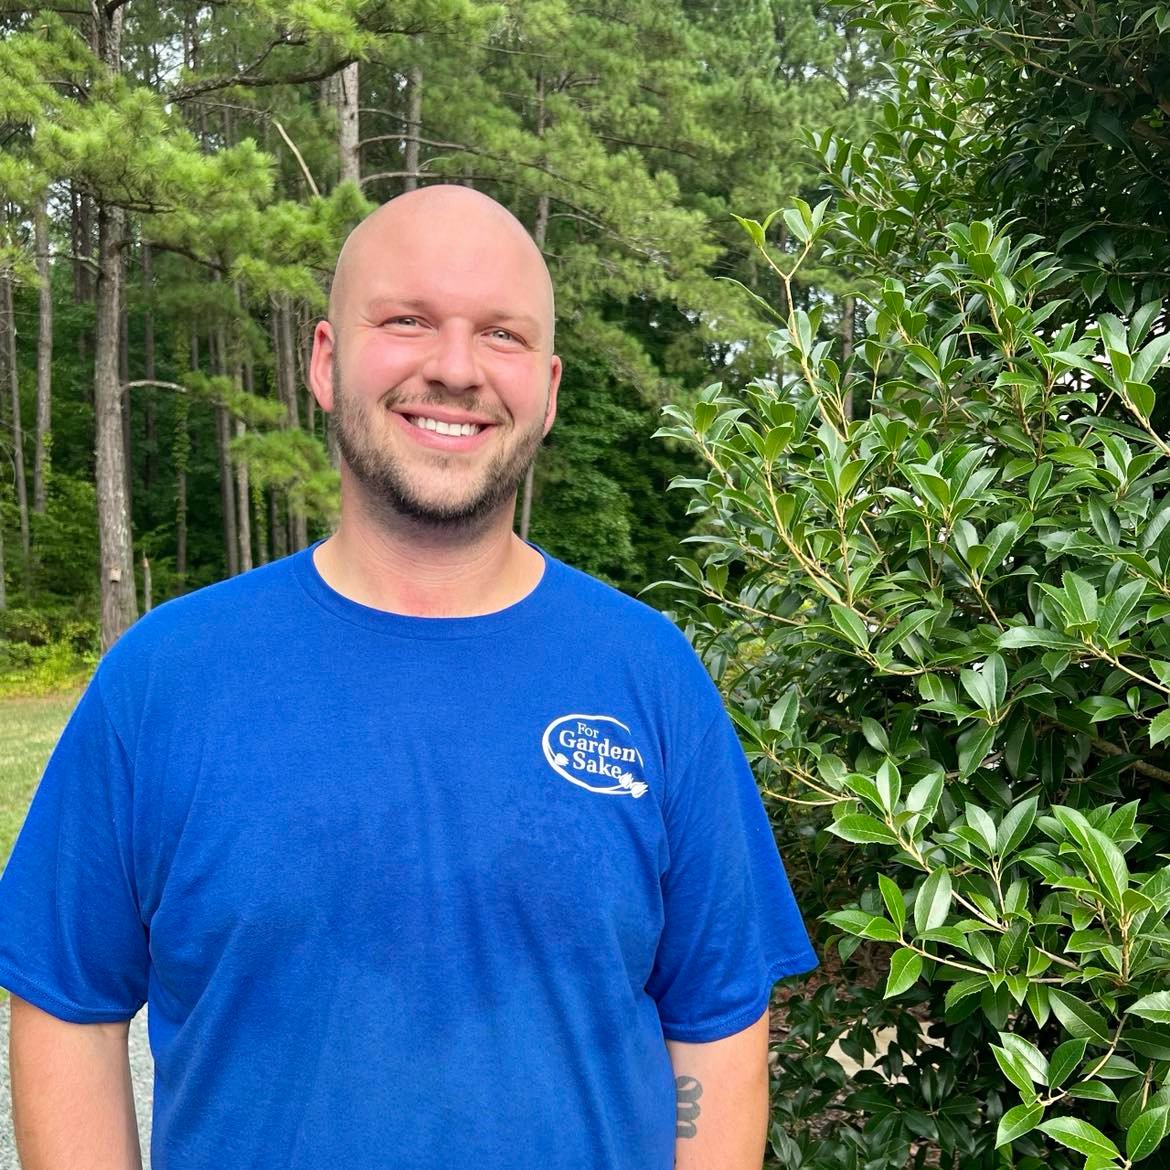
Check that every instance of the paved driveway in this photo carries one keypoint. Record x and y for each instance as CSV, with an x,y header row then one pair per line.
x,y
141,1067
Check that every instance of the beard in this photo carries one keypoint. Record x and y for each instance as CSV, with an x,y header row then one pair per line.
x,y
388,486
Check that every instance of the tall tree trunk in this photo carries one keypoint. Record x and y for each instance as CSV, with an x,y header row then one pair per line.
x,y
42,456
119,603
277,527
286,380
244,505
413,127
223,438
305,357
347,90
181,458
260,511
119,597
149,405
81,238
182,450
12,388
124,378
539,235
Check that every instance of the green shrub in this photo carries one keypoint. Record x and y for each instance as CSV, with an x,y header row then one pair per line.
x,y
943,632
942,627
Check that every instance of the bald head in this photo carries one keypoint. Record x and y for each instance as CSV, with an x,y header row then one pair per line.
x,y
446,226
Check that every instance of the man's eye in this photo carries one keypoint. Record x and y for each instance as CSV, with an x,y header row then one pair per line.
x,y
407,321
503,335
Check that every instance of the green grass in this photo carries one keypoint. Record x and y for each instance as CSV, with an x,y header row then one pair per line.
x,y
28,729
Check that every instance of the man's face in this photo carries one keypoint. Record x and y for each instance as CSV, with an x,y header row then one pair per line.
x,y
440,367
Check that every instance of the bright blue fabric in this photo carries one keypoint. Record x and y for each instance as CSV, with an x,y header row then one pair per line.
x,y
402,892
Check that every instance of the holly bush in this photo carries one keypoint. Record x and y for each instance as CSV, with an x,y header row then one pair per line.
x,y
942,628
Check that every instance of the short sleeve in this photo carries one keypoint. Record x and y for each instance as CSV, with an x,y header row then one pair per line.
x,y
72,940
732,927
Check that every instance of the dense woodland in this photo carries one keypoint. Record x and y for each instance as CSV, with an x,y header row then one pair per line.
x,y
177,179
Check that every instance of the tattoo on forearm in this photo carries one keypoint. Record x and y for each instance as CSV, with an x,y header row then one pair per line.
x,y
688,1091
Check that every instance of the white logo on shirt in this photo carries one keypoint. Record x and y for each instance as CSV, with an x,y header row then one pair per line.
x,y
596,753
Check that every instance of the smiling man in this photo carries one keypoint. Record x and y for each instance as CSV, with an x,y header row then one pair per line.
x,y
423,848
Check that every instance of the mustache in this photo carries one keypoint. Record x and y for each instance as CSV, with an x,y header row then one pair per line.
x,y
472,404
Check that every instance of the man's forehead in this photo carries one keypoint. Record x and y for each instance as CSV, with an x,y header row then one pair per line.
x,y
412,249
443,231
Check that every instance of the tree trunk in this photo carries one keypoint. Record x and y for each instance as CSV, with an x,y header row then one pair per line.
x,y
244,505
413,127
147,588
223,438
286,375
12,378
42,457
347,90
181,457
182,450
149,407
277,527
119,603
305,356
81,237
260,511
124,378
539,235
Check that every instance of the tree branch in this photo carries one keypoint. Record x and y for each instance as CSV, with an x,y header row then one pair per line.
x,y
151,382
299,157
248,80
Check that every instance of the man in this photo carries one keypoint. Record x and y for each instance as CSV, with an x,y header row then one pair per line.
x,y
424,849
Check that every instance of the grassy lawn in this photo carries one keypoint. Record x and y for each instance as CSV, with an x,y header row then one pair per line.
x,y
28,730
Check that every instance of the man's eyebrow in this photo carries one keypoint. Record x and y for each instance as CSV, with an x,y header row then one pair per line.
x,y
525,321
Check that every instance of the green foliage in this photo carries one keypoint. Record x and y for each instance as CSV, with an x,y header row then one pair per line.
x,y
942,630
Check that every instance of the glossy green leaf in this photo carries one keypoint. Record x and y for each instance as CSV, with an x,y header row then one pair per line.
x,y
932,904
905,967
895,902
1154,1007
1079,1020
1146,1133
1016,1122
1065,1060
1080,1136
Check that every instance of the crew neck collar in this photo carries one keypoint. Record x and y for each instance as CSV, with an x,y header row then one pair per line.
x,y
410,625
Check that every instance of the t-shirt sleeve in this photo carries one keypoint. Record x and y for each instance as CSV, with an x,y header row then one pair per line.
x,y
72,941
732,927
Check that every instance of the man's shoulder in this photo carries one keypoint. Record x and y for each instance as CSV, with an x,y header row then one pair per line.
x,y
211,618
602,616
594,599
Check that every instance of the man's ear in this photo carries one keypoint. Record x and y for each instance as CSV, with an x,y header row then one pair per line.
x,y
554,382
321,365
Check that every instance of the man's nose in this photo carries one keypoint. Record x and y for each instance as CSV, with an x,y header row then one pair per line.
x,y
452,361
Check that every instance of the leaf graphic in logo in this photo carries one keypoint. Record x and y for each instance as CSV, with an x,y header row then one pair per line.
x,y
626,779
637,788
561,759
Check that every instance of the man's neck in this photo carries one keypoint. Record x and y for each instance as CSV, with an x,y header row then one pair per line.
x,y
423,572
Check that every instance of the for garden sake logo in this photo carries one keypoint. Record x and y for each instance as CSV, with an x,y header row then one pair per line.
x,y
594,752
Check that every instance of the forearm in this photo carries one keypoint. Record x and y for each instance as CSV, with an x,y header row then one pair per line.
x,y
722,1092
72,1102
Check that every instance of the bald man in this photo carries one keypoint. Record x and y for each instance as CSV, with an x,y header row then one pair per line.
x,y
424,849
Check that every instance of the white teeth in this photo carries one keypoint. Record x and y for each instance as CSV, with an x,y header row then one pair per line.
x,y
443,428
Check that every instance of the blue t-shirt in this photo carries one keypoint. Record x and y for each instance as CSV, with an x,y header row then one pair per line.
x,y
402,892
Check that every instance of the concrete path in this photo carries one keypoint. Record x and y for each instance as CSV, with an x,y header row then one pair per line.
x,y
141,1068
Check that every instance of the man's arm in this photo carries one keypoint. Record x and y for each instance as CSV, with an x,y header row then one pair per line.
x,y
722,1090
72,1102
